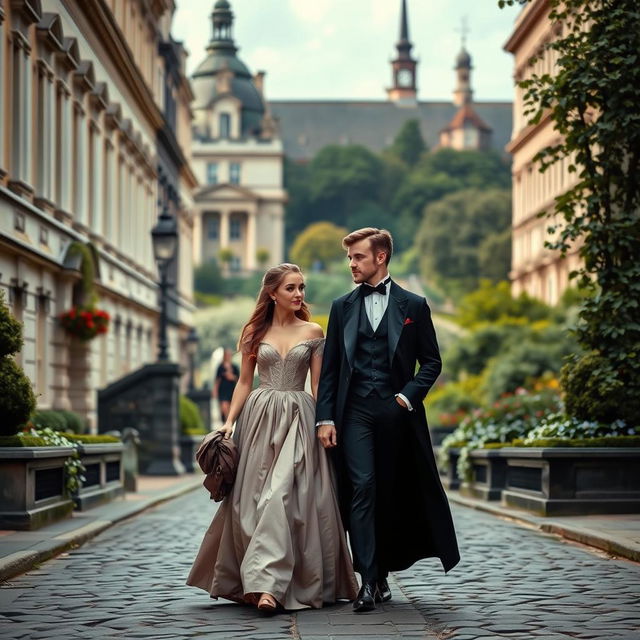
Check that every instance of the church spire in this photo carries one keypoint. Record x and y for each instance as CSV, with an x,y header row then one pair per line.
x,y
404,45
403,68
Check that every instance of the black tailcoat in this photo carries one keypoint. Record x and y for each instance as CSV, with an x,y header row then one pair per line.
x,y
421,525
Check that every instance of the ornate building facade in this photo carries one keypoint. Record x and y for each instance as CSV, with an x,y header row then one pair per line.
x,y
535,270
238,158
94,139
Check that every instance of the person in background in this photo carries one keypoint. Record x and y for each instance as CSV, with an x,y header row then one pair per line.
x,y
224,383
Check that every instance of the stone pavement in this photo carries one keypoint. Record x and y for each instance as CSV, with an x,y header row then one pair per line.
x,y
21,550
513,582
618,534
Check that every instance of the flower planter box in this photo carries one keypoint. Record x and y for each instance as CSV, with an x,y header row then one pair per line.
x,y
188,446
489,475
438,434
32,486
572,481
450,479
104,474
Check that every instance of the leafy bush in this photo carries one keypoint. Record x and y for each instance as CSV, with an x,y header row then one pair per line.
x,y
594,390
190,419
535,354
22,441
470,353
207,299
207,278
17,400
492,302
75,422
562,427
320,242
448,404
59,420
10,330
603,441
511,417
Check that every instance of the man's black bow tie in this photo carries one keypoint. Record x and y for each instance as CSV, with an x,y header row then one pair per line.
x,y
380,288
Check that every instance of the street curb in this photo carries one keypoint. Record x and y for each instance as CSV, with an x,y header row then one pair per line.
x,y
23,561
576,534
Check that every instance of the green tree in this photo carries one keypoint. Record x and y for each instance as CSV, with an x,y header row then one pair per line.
x,y
207,277
299,211
319,242
474,169
409,145
494,255
452,232
343,176
438,174
592,101
493,302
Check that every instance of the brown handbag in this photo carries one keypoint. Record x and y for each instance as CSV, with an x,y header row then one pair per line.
x,y
218,458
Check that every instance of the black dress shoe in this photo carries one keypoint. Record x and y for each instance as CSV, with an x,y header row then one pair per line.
x,y
384,592
367,596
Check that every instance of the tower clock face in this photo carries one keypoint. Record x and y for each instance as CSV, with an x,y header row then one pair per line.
x,y
405,78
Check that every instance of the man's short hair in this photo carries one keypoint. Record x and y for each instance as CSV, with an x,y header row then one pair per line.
x,y
381,240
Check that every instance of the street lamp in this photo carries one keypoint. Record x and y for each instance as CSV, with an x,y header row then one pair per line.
x,y
192,350
165,241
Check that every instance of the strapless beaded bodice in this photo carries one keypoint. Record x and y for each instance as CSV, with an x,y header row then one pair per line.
x,y
288,373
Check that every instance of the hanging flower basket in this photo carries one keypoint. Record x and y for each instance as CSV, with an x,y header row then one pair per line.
x,y
84,323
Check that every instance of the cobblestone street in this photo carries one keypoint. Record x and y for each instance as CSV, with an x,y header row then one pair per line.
x,y
512,582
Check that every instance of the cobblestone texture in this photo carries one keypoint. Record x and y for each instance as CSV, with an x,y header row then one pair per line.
x,y
512,583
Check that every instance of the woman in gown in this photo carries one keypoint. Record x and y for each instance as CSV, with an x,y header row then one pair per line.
x,y
277,539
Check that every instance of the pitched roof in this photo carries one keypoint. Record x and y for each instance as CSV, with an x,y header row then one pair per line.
x,y
307,126
464,116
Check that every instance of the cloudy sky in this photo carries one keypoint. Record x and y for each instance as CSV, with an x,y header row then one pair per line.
x,y
338,49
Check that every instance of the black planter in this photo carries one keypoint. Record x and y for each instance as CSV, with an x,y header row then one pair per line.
x,y
104,474
188,446
572,481
449,476
489,475
32,486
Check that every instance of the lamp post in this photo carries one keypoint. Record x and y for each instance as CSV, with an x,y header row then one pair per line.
x,y
192,350
165,241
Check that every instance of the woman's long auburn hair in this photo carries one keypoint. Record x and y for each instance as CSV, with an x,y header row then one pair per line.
x,y
262,316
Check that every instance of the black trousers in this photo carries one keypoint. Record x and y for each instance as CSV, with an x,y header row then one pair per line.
x,y
370,440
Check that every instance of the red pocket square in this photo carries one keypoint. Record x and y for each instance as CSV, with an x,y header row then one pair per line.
x,y
407,321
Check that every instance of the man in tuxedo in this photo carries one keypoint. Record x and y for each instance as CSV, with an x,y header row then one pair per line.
x,y
371,415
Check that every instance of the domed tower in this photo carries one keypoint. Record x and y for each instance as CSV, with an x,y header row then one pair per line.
x,y
463,94
238,159
227,104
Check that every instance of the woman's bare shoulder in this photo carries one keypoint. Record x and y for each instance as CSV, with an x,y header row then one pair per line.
x,y
313,330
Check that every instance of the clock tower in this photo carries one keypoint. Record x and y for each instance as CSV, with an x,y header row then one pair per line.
x,y
403,68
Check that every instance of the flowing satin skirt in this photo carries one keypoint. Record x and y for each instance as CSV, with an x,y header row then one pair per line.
x,y
279,530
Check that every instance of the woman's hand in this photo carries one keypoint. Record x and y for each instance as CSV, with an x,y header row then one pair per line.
x,y
227,429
